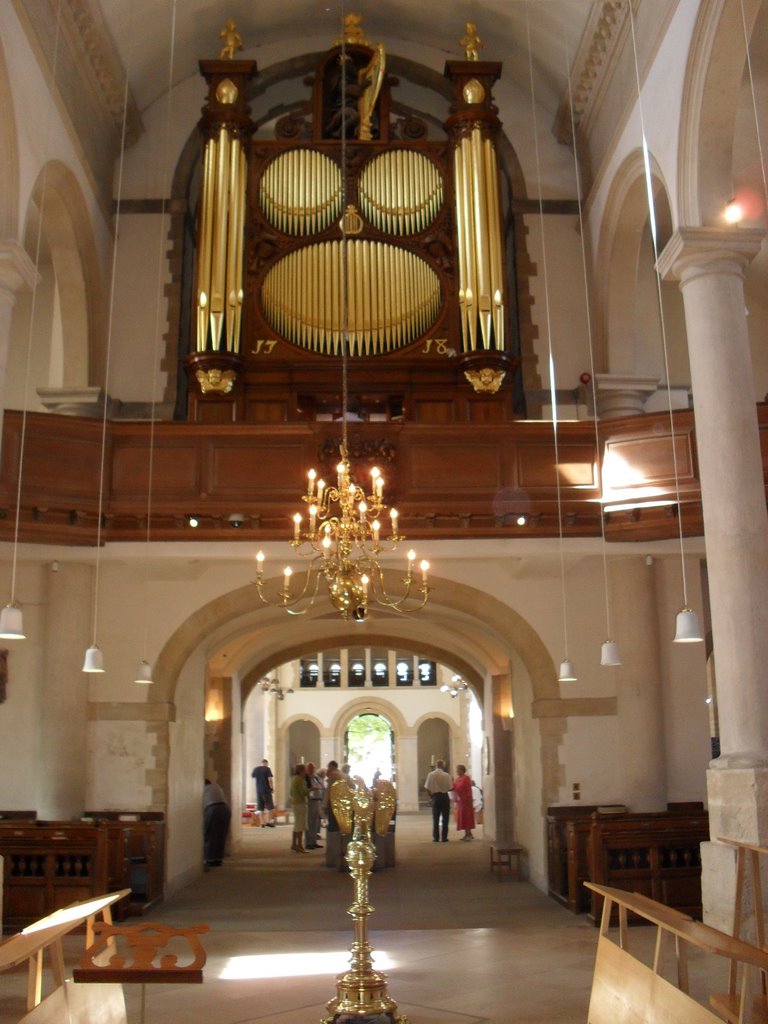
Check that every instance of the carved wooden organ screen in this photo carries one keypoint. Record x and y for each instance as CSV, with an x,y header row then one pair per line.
x,y
351,223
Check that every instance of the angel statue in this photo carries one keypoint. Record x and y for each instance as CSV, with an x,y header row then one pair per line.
x,y
471,42
232,41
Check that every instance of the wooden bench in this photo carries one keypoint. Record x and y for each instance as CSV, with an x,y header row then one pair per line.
x,y
503,855
626,991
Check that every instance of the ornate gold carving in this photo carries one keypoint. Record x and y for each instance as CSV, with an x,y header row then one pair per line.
x,y
218,381
226,92
473,92
353,31
471,42
361,990
372,76
353,222
485,381
232,40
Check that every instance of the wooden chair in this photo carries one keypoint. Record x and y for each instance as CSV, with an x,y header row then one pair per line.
x,y
503,855
625,990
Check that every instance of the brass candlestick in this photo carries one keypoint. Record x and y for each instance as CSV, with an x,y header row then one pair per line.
x,y
361,991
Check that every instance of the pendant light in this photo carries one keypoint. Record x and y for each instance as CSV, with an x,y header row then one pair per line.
x,y
687,624
11,616
609,651
566,673
94,659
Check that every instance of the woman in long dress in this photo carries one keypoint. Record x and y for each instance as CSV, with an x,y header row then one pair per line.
x,y
462,793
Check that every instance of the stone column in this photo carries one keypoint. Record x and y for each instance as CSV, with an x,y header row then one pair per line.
x,y
408,781
623,395
16,272
709,263
638,685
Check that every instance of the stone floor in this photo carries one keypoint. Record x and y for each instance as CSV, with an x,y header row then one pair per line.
x,y
458,945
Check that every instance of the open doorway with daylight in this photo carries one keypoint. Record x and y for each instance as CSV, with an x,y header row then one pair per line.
x,y
369,747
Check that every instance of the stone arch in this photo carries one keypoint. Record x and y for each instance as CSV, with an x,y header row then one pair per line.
x,y
627,297
710,98
9,157
68,345
361,704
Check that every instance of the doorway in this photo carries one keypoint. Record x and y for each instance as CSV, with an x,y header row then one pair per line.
x,y
369,747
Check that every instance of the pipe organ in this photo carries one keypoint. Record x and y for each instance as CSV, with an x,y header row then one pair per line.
x,y
351,231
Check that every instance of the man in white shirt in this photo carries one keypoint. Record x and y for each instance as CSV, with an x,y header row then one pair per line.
x,y
438,784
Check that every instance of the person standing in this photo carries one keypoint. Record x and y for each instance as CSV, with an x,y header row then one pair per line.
x,y
216,818
315,794
265,803
438,785
299,803
462,791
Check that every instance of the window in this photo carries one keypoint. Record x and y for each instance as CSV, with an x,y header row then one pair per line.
x,y
404,670
379,669
356,672
308,673
427,673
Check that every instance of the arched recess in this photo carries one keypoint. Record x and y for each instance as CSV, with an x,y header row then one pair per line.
x,y
713,82
9,158
66,329
630,338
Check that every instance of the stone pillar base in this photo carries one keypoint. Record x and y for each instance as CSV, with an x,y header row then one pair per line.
x,y
738,810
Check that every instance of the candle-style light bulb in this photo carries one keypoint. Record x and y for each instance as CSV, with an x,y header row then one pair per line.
x,y
320,491
364,580
363,508
311,477
375,527
393,514
296,525
424,566
312,518
259,562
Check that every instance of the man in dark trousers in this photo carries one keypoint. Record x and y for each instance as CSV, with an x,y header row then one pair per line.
x,y
265,803
438,785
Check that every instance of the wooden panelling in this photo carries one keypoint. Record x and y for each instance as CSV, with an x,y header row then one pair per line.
x,y
536,465
249,468
649,460
455,466
175,470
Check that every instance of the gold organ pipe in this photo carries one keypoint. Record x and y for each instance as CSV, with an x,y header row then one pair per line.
x,y
461,238
479,196
336,318
231,245
494,220
219,241
204,248
470,293
277,185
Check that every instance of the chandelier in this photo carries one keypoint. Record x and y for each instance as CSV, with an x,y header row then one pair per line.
x,y
341,532
341,535
456,686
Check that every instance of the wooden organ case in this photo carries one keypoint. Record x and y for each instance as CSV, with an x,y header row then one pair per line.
x,y
352,223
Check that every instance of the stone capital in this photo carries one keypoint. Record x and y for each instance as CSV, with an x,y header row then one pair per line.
x,y
691,252
16,269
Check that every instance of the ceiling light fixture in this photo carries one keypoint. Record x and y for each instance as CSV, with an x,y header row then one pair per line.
x,y
456,686
273,688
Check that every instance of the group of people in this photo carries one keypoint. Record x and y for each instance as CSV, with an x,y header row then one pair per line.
x,y
443,790
307,795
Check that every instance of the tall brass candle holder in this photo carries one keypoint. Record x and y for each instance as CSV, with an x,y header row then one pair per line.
x,y
361,991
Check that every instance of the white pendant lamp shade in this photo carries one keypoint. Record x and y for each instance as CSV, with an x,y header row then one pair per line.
x,y
144,673
94,660
609,653
567,674
11,623
687,631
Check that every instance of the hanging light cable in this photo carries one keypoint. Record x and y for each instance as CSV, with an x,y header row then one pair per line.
x,y
687,624
11,616
94,659
345,536
609,651
144,670
755,114
566,673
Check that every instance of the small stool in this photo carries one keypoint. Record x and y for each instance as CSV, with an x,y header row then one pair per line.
x,y
502,855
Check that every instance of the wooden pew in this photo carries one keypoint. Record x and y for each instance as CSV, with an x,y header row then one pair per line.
x,y
657,855
627,991
48,866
